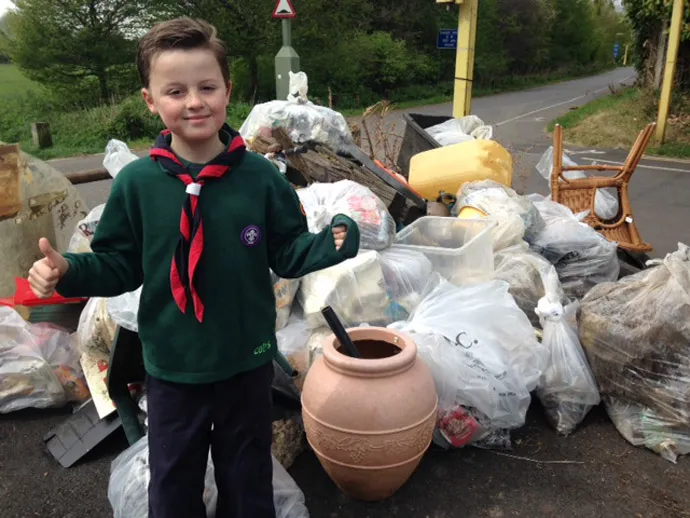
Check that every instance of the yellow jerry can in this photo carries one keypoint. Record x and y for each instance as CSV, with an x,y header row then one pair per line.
x,y
447,168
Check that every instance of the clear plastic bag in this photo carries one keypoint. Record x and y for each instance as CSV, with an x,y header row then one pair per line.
x,y
605,204
315,342
130,475
322,201
467,390
567,389
484,348
498,201
355,289
287,496
292,343
124,309
117,155
129,480
96,329
406,273
80,242
641,426
507,232
303,121
522,270
583,258
39,367
454,131
284,291
635,333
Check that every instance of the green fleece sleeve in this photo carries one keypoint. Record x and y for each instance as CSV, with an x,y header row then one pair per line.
x,y
114,267
293,250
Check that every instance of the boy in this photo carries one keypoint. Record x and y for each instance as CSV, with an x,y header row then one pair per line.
x,y
207,309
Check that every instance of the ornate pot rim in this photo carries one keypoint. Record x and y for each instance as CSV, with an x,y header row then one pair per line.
x,y
372,368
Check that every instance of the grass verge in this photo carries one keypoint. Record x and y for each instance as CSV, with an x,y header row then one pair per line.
x,y
614,121
12,81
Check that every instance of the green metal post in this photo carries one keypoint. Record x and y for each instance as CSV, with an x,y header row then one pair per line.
x,y
286,60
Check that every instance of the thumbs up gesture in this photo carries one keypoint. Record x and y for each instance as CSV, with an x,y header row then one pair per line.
x,y
46,272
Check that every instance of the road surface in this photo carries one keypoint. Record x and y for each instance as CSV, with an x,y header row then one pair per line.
x,y
594,473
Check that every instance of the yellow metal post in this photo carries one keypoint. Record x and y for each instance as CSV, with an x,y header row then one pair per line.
x,y
625,56
670,71
464,59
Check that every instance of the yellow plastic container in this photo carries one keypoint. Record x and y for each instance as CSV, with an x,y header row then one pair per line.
x,y
468,212
448,168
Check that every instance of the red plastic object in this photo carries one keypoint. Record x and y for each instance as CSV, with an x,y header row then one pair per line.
x,y
458,427
398,177
23,296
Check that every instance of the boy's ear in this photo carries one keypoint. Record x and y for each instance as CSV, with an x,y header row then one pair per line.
x,y
149,101
227,99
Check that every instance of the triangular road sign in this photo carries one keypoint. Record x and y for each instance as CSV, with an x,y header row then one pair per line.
x,y
284,9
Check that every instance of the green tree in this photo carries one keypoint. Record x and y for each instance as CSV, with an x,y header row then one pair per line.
x,y
65,44
572,41
4,39
524,26
411,21
246,27
648,19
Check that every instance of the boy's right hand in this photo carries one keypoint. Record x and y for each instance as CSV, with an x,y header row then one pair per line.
x,y
45,273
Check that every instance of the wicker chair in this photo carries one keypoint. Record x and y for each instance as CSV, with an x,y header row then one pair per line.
x,y
578,194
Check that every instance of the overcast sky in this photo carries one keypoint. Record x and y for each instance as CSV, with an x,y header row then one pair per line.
x,y
4,6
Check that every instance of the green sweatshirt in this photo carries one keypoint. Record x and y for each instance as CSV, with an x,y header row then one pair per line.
x,y
135,241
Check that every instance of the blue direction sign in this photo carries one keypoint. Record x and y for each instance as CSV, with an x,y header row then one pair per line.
x,y
616,51
447,39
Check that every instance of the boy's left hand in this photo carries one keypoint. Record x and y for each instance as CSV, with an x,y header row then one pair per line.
x,y
339,235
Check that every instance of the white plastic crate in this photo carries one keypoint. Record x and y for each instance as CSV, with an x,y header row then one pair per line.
x,y
461,250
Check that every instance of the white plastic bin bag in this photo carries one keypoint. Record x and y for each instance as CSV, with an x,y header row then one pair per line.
x,y
130,475
482,351
567,389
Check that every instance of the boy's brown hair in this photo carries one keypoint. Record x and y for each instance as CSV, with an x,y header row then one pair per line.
x,y
184,34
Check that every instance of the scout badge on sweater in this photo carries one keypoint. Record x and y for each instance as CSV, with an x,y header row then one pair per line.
x,y
191,243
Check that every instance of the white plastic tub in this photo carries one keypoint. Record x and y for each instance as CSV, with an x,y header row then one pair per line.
x,y
460,250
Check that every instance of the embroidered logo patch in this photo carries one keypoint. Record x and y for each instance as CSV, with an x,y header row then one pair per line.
x,y
251,235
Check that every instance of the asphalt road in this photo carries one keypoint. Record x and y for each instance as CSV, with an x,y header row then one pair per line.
x,y
593,473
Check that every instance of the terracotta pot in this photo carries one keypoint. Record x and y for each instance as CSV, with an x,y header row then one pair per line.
x,y
369,420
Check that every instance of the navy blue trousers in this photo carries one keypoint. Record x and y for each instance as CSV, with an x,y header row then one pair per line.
x,y
233,419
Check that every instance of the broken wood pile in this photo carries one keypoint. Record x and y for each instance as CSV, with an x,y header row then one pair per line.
x,y
315,162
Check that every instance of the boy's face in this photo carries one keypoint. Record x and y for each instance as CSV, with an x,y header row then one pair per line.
x,y
188,92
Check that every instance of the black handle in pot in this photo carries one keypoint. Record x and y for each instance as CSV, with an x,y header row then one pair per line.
x,y
348,346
